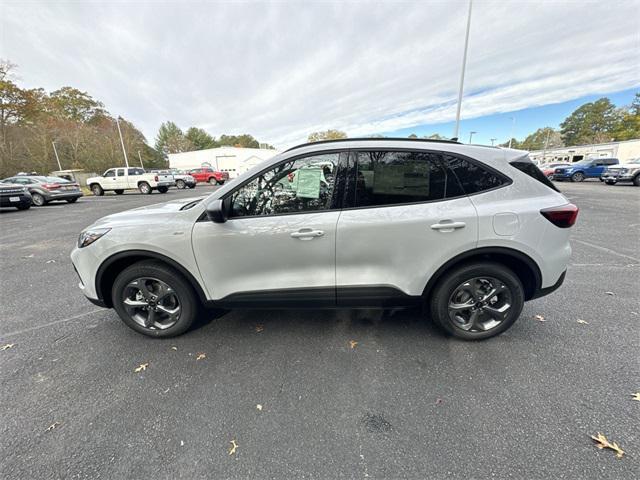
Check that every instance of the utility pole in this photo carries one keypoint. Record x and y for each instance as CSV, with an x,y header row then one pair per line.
x,y
56,152
126,160
546,145
464,66
141,164
471,136
493,141
513,124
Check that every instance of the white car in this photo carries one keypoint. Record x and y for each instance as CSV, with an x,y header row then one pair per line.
x,y
625,172
120,179
470,231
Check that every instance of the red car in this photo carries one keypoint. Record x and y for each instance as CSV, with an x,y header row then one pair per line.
x,y
549,168
208,174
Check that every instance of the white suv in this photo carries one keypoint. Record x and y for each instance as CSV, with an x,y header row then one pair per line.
x,y
470,232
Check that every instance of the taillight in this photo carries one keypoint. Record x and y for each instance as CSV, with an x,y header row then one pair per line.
x,y
563,217
50,186
156,178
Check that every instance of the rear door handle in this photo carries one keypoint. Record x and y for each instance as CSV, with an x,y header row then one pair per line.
x,y
307,234
446,226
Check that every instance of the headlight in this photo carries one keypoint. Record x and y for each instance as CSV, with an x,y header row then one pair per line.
x,y
89,236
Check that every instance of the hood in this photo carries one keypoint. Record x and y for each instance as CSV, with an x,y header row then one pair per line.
x,y
156,213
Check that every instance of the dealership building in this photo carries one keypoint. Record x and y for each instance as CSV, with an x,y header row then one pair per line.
x,y
623,151
225,159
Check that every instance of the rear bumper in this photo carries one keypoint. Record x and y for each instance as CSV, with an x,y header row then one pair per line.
x,y
166,184
62,195
541,292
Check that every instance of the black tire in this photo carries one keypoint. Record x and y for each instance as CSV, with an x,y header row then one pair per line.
x,y
97,190
180,184
163,189
610,182
577,177
636,180
119,191
24,207
450,283
38,200
189,305
192,186
213,181
72,200
144,188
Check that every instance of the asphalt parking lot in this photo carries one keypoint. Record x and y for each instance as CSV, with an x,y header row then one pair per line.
x,y
404,402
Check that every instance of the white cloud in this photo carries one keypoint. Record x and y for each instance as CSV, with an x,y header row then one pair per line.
x,y
281,70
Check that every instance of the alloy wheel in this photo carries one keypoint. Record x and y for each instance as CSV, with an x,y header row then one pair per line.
x,y
479,304
151,303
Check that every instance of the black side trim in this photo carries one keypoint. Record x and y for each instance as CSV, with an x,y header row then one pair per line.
x,y
138,255
375,296
97,303
541,292
489,251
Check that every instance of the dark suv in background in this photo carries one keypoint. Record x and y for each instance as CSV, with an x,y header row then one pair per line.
x,y
46,189
12,195
589,168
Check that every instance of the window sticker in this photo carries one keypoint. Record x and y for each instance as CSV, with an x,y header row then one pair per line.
x,y
308,182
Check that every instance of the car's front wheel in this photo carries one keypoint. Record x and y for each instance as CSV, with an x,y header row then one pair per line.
x,y
154,299
213,181
163,189
577,177
610,182
477,301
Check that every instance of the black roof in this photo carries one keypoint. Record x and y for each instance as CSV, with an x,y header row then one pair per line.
x,y
368,139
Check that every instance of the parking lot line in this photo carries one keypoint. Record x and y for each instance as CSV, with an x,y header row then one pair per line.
x,y
56,322
605,249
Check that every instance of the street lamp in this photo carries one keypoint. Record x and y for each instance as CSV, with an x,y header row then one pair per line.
x,y
513,124
56,152
126,160
492,141
471,136
464,65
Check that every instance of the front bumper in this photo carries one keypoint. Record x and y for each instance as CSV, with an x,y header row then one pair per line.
x,y
617,177
23,199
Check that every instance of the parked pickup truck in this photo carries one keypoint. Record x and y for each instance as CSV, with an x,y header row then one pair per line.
x,y
120,179
208,174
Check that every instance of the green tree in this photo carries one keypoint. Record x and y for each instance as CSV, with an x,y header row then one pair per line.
x,y
330,134
628,127
542,137
72,104
170,139
413,135
200,139
593,122
241,141
435,136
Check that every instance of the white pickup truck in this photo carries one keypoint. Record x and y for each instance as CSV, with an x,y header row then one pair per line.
x,y
120,179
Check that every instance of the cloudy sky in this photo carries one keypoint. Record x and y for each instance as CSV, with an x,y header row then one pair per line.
x,y
280,70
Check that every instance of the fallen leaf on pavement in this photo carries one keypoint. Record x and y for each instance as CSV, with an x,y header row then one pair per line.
x,y
234,447
7,346
201,356
174,348
602,442
29,256
259,407
609,293
353,343
259,328
141,368
53,425
583,322
438,401
50,261
636,396
540,318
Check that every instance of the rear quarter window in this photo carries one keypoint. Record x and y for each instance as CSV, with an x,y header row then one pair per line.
x,y
475,177
526,166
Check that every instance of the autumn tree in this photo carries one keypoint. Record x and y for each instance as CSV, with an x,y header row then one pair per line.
x,y
330,134
628,127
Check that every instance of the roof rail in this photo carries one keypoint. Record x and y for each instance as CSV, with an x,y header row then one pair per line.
x,y
339,140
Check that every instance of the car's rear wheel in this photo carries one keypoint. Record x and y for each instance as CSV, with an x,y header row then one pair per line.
x,y
72,200
145,188
180,184
610,182
24,207
97,190
119,191
163,189
38,200
577,177
213,181
477,301
193,185
154,299
636,180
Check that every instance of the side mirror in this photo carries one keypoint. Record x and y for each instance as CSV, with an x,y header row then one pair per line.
x,y
217,212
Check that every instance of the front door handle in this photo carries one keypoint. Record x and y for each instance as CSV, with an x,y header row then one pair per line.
x,y
307,234
447,226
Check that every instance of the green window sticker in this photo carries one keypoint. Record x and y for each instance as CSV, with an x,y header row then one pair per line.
x,y
308,180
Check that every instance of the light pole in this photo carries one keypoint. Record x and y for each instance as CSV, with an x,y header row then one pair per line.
x,y
56,152
141,164
546,145
493,141
513,124
126,160
471,136
464,66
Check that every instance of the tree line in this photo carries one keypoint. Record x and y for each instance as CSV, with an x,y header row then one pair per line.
x,y
84,132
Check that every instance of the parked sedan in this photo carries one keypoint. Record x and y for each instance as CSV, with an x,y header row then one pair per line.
x,y
549,168
12,195
47,189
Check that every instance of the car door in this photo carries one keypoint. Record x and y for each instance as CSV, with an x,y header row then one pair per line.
x,y
109,180
405,214
278,244
120,182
